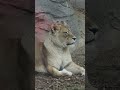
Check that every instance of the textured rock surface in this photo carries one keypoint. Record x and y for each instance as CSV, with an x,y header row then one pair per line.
x,y
64,11
78,4
54,8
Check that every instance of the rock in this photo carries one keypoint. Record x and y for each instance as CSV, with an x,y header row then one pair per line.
x,y
61,10
54,8
78,3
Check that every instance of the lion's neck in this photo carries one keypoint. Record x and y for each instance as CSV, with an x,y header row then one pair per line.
x,y
51,47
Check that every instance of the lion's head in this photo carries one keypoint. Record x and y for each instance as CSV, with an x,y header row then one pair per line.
x,y
61,34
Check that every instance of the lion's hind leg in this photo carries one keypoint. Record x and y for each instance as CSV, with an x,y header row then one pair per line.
x,y
40,68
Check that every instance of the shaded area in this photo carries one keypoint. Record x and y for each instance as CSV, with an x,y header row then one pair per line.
x,y
102,55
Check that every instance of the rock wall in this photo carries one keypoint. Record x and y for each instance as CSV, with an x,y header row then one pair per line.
x,y
63,10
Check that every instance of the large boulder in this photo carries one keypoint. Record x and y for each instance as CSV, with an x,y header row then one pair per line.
x,y
62,10
78,4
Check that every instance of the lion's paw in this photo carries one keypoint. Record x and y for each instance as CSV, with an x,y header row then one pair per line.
x,y
82,71
65,72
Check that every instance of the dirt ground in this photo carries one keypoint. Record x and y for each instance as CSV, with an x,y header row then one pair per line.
x,y
47,82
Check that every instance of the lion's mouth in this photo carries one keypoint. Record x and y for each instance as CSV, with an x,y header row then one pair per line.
x,y
70,43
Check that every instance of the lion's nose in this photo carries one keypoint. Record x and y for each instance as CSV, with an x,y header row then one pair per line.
x,y
74,38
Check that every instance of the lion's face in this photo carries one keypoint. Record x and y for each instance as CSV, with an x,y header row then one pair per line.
x,y
62,36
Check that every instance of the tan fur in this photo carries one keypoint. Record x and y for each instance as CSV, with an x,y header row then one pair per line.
x,y
54,54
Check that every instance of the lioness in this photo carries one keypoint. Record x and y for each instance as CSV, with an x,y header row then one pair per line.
x,y
53,56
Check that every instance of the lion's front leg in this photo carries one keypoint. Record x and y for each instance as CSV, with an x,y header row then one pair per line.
x,y
75,69
55,72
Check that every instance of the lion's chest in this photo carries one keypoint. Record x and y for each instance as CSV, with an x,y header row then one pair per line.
x,y
59,59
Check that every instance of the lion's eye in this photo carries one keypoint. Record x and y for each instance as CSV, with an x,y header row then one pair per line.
x,y
65,32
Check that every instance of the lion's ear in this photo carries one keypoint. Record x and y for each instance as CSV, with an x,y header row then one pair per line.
x,y
53,28
64,23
